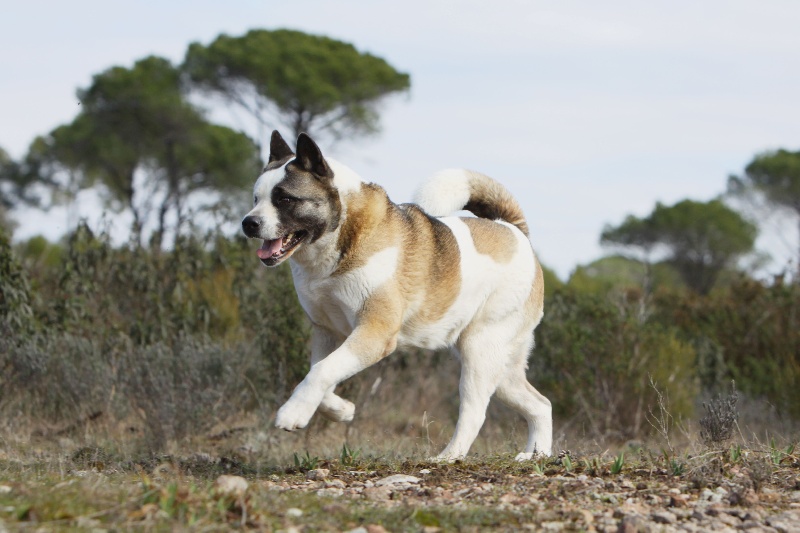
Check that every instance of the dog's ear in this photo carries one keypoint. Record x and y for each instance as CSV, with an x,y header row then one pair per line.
x,y
309,157
278,149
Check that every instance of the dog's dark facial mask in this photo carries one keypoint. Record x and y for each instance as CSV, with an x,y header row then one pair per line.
x,y
295,201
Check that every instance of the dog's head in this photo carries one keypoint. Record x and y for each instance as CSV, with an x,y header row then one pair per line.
x,y
295,200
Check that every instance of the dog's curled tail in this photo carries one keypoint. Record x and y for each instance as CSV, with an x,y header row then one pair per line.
x,y
455,189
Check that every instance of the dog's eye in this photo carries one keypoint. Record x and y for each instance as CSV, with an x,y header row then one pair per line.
x,y
255,200
286,199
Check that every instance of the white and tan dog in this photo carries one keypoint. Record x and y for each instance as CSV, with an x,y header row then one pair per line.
x,y
374,276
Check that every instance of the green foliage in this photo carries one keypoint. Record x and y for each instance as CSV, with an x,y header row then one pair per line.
x,y
750,333
777,176
136,122
735,453
622,273
181,339
16,180
16,313
677,467
305,462
700,238
616,467
349,456
309,83
774,176
594,359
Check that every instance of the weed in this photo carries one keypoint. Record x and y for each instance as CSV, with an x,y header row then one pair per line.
x,y
662,422
717,425
305,463
593,466
735,453
349,456
677,467
777,455
616,467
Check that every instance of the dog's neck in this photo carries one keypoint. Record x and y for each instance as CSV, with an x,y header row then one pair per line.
x,y
320,258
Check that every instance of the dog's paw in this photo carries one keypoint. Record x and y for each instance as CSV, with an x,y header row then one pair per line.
x,y
338,409
294,415
444,458
527,456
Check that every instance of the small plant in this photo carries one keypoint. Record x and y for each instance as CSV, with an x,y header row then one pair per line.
x,y
567,462
778,455
677,467
305,463
662,422
735,453
721,416
349,456
616,468
536,466
593,466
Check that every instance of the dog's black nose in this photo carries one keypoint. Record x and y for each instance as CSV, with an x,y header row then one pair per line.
x,y
251,226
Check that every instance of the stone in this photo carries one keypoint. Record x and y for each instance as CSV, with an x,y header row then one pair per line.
x,y
397,479
377,493
333,492
318,474
234,486
664,517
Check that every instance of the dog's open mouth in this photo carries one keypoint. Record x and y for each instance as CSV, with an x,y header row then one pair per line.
x,y
274,251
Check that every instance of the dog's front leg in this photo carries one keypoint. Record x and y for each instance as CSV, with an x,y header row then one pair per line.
x,y
323,343
374,337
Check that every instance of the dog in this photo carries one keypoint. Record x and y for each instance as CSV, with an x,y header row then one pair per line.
x,y
373,276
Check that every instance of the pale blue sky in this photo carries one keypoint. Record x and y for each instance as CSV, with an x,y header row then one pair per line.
x,y
586,110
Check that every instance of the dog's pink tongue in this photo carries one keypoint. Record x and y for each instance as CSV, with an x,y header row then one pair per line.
x,y
269,248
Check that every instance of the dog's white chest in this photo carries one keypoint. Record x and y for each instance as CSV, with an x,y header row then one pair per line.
x,y
334,301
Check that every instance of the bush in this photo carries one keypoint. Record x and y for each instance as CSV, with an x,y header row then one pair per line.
x,y
595,359
751,333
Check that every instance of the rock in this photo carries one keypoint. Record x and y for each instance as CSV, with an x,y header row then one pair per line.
x,y
318,474
234,486
335,483
377,494
786,522
397,479
678,500
334,492
376,528
664,517
294,512
631,524
5,489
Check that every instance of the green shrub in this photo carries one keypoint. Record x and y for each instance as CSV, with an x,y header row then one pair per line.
x,y
750,333
594,360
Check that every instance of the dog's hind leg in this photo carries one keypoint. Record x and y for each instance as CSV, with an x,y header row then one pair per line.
x,y
516,392
333,406
483,354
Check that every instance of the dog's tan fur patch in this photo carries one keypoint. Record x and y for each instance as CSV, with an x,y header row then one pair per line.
x,y
429,277
492,239
535,304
